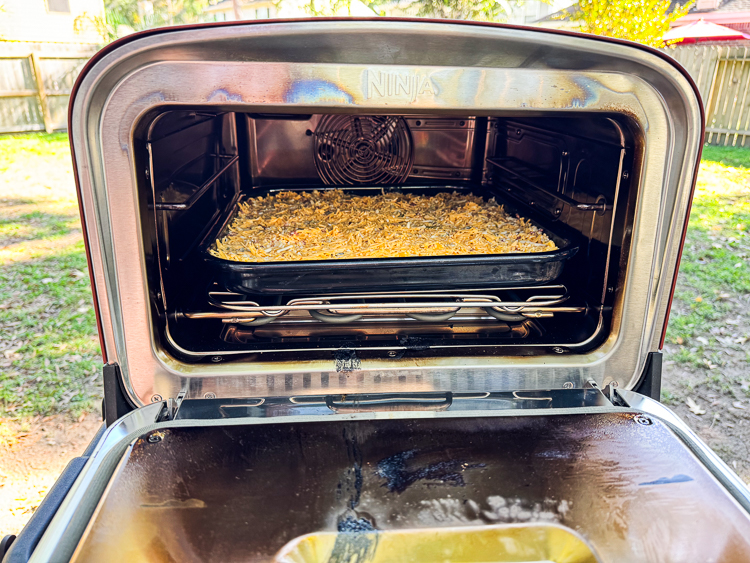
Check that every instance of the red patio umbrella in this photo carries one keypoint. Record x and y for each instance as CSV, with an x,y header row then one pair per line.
x,y
702,30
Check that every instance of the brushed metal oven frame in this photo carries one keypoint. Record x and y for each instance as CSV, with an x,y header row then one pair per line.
x,y
483,69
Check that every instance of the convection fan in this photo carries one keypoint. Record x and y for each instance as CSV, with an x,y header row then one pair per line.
x,y
363,149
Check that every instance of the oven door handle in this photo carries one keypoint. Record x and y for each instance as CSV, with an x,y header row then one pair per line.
x,y
390,402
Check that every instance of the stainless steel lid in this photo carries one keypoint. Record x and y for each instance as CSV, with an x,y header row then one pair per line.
x,y
472,68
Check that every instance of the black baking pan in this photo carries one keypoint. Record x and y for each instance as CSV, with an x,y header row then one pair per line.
x,y
390,274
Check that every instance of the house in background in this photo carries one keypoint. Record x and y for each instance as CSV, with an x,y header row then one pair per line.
x,y
535,10
43,46
32,24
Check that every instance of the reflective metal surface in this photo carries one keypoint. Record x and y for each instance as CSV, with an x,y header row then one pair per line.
x,y
708,457
622,480
543,300
509,543
378,318
517,171
442,147
352,66
114,435
326,405
363,150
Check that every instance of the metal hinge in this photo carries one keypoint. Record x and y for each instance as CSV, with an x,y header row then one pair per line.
x,y
171,407
609,391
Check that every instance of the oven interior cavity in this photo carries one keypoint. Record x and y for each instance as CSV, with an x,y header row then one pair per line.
x,y
493,235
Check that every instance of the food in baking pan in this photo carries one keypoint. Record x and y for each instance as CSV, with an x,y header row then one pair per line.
x,y
335,225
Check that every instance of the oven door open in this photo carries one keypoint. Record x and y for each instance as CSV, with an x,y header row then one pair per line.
x,y
262,410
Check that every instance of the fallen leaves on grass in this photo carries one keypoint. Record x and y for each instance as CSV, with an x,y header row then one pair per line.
x,y
694,407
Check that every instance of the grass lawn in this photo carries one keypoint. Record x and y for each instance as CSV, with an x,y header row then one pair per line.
x,y
706,377
50,364
49,352
708,319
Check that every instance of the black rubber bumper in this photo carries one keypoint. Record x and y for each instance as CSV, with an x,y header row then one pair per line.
x,y
20,550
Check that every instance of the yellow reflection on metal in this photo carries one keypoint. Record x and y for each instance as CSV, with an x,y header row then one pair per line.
x,y
516,543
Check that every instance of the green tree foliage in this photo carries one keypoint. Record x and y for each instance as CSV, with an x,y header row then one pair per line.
x,y
644,21
325,8
478,10
126,16
155,13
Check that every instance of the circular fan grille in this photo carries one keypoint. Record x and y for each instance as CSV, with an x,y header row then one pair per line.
x,y
363,149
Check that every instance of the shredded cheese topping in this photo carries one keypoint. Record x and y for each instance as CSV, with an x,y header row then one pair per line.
x,y
331,224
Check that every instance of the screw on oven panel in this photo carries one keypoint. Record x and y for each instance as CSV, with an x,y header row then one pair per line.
x,y
568,385
610,289
418,123
461,124
209,395
558,350
642,419
216,359
625,175
156,398
392,353
518,131
156,437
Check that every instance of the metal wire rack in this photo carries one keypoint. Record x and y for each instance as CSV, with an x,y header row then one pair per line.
x,y
504,304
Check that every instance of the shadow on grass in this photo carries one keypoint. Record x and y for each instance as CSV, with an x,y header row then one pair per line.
x,y
36,225
49,351
15,201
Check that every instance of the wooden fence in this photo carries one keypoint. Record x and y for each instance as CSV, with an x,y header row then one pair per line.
x,y
35,90
722,73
